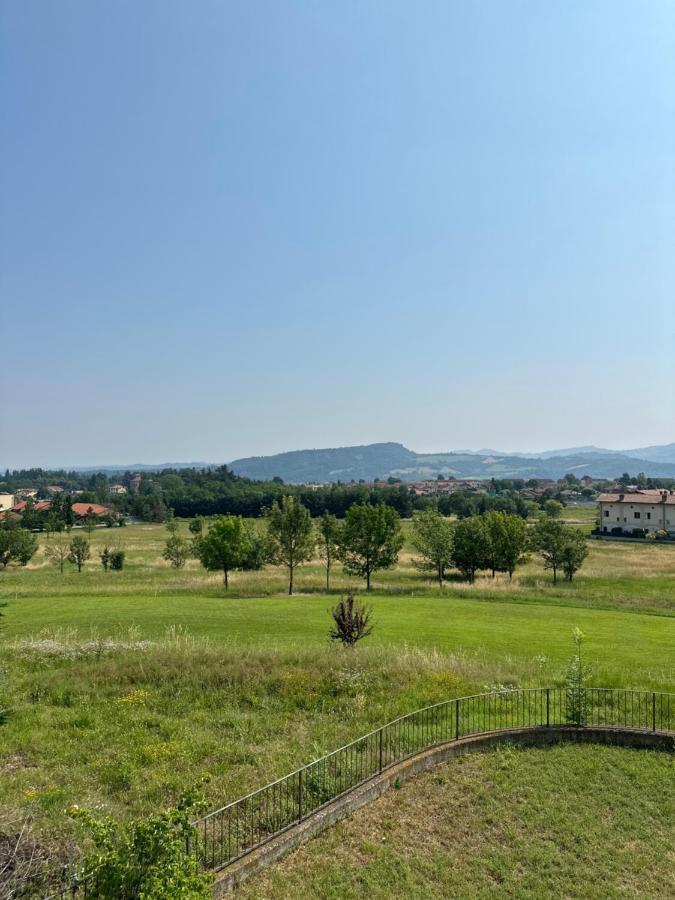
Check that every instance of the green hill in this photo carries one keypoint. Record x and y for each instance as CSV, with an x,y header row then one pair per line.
x,y
391,459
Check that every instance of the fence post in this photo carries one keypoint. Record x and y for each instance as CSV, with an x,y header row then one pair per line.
x,y
457,719
299,795
548,707
381,752
653,711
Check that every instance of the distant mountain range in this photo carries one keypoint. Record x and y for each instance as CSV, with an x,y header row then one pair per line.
x,y
113,468
659,453
391,459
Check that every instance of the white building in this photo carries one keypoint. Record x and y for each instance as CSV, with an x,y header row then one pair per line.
x,y
6,501
647,510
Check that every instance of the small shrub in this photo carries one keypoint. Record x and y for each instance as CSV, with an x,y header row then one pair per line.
x,y
176,550
117,560
145,859
352,621
104,556
577,706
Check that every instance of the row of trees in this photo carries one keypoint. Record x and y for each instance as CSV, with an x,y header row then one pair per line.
x,y
19,546
78,550
190,493
496,542
370,539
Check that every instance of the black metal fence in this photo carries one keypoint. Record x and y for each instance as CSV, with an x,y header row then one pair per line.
x,y
229,833
77,887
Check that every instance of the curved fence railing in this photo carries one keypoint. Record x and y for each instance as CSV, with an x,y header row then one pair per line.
x,y
229,833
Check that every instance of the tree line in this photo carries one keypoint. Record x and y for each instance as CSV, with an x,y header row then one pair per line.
x,y
370,538
218,491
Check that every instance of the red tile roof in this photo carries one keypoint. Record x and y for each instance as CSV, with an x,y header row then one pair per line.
x,y
40,506
647,496
81,509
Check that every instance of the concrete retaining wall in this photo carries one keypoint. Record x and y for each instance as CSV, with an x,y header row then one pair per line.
x,y
343,806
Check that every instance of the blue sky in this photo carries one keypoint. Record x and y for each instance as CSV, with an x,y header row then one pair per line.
x,y
234,228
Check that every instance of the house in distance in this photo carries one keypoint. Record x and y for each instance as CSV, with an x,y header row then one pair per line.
x,y
637,513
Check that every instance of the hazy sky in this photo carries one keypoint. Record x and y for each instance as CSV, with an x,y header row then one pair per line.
x,y
234,228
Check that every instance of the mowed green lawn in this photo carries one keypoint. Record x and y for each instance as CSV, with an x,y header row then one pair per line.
x,y
624,601
626,648
584,822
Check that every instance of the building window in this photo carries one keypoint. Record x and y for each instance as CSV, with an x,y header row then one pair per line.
x,y
649,515
606,513
636,515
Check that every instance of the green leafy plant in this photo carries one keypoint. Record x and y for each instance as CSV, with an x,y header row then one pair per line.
x,y
145,859
104,556
117,560
176,550
577,705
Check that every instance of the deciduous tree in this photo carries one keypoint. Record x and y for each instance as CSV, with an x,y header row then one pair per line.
x,y
196,526
471,547
328,540
433,538
176,550
58,551
290,533
17,545
225,545
574,552
548,538
507,538
371,539
553,508
79,551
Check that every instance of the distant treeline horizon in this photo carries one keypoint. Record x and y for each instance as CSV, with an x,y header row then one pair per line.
x,y
186,493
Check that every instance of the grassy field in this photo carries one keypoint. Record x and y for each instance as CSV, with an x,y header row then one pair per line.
x,y
574,822
120,689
